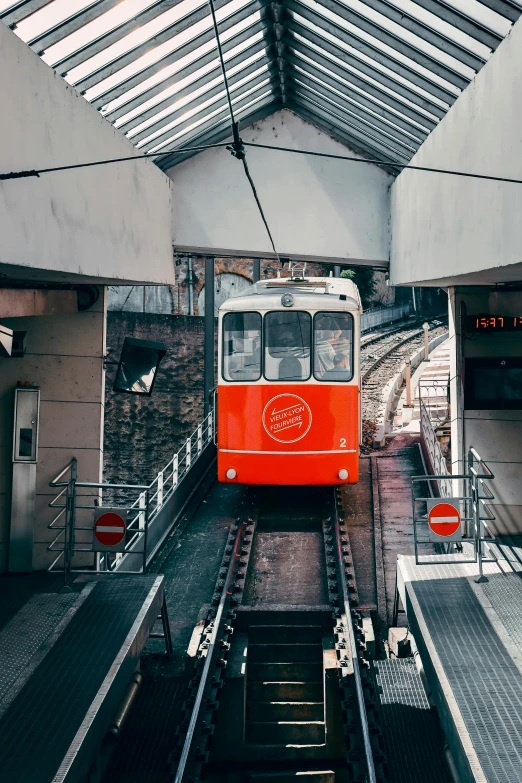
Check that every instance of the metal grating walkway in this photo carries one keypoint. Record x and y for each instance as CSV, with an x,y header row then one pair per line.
x,y
46,722
413,738
485,682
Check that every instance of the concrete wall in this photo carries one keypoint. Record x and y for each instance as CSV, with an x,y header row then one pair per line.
x,y
445,227
314,206
64,358
101,223
496,435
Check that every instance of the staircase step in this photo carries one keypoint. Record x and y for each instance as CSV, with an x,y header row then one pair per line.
x,y
281,672
284,653
284,634
284,691
291,776
285,732
297,754
285,710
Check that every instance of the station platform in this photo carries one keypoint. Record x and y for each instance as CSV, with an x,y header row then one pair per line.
x,y
66,660
469,637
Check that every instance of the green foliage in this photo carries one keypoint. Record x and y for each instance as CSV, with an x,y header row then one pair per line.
x,y
362,276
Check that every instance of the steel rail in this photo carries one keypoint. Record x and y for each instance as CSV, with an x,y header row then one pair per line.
x,y
391,350
353,651
225,595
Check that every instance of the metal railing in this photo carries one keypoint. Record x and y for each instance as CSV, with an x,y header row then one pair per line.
x,y
475,513
370,319
144,504
433,451
434,393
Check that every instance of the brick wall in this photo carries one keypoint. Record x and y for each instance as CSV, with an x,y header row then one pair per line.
x,y
142,433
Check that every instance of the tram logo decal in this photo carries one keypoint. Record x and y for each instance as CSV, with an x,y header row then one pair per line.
x,y
287,418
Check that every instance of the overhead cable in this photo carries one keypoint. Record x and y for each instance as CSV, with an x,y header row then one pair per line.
x,y
105,162
237,148
227,145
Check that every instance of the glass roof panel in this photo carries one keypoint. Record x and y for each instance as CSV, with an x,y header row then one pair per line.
x,y
380,73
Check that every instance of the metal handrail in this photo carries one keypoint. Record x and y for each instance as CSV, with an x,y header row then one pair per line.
x,y
148,504
225,595
435,455
353,649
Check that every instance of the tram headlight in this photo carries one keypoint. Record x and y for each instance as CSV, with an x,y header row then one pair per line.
x,y
343,474
231,474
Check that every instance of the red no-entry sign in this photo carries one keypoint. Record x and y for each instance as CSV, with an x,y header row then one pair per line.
x,y
109,530
444,520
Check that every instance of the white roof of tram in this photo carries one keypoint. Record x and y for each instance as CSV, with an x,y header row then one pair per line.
x,y
308,294
378,75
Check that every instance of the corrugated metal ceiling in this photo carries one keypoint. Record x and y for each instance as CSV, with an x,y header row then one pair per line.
x,y
377,75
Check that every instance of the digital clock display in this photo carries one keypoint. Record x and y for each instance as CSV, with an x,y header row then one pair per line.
x,y
493,323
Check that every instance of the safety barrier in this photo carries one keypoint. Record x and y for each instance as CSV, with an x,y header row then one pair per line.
x,y
151,510
370,319
433,454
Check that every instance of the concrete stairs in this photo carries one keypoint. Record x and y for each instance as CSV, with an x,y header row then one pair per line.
x,y
285,696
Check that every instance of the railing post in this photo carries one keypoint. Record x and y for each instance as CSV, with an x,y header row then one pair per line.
x,y
187,458
200,438
475,500
210,428
146,528
159,501
142,515
408,383
175,470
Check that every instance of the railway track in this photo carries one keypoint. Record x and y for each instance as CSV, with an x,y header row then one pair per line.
x,y
380,360
281,681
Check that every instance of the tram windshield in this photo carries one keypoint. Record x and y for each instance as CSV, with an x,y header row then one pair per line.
x,y
288,337
333,346
242,346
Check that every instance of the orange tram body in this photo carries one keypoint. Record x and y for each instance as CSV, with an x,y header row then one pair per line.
x,y
288,390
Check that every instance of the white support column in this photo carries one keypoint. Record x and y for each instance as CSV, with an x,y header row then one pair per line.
x,y
175,470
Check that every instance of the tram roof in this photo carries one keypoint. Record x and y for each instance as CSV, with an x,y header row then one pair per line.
x,y
312,293
378,75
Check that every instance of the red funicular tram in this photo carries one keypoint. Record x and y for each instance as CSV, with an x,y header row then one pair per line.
x,y
288,388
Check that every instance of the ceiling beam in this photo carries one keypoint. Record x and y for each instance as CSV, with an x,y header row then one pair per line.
x,y
221,132
395,43
367,93
214,92
69,25
377,55
344,58
461,22
197,84
350,124
21,10
423,31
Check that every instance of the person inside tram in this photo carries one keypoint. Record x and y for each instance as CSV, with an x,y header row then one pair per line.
x,y
324,351
339,371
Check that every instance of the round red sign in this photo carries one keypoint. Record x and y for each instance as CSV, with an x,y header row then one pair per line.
x,y
287,418
109,529
444,520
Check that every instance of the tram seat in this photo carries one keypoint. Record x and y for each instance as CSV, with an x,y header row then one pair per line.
x,y
290,369
65,694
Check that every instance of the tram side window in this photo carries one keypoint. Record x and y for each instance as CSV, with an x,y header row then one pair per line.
x,y
287,346
242,347
333,346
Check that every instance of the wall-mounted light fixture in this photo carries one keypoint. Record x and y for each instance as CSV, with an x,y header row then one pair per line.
x,y
6,341
138,366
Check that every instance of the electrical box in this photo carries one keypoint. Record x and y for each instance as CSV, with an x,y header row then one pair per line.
x,y
26,412
23,490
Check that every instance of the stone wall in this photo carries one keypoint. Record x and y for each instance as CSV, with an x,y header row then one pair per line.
x,y
142,433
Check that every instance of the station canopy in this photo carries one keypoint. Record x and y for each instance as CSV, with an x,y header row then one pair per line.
x,y
377,75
